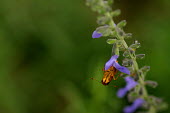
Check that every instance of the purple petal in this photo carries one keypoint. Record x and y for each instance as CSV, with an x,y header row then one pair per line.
x,y
96,34
129,79
121,68
128,109
136,104
111,62
122,92
130,83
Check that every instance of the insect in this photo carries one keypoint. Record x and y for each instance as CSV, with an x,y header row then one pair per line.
x,y
109,75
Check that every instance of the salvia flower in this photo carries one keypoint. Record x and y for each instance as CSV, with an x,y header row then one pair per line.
x,y
130,83
136,104
113,62
96,34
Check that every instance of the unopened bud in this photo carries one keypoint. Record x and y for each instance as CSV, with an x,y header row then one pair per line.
x,y
135,46
111,41
128,35
126,53
127,62
122,24
145,69
152,84
105,30
116,13
140,56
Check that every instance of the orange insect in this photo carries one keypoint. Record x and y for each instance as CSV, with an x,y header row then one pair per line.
x,y
109,75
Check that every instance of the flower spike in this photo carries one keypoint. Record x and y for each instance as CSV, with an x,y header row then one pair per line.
x,y
116,34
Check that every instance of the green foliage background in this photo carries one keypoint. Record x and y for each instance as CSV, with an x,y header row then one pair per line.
x,y
47,55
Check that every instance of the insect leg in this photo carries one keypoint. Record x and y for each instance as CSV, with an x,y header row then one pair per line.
x,y
115,78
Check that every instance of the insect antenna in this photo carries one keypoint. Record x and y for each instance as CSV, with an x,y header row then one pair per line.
x,y
113,85
100,82
95,79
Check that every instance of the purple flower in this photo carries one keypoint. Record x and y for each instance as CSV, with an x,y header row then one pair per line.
x,y
136,104
113,62
96,34
130,83
122,92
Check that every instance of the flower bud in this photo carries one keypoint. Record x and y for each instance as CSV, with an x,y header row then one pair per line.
x,y
132,51
128,35
120,45
111,41
102,20
145,69
116,13
119,31
126,53
127,62
122,24
104,30
158,103
152,84
135,46
155,99
107,8
140,56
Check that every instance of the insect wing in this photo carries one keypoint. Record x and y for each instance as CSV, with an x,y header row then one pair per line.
x,y
108,75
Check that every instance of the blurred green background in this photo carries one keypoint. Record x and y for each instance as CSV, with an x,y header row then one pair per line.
x,y
47,55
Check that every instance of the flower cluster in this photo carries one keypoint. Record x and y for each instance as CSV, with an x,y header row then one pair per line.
x,y
134,76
